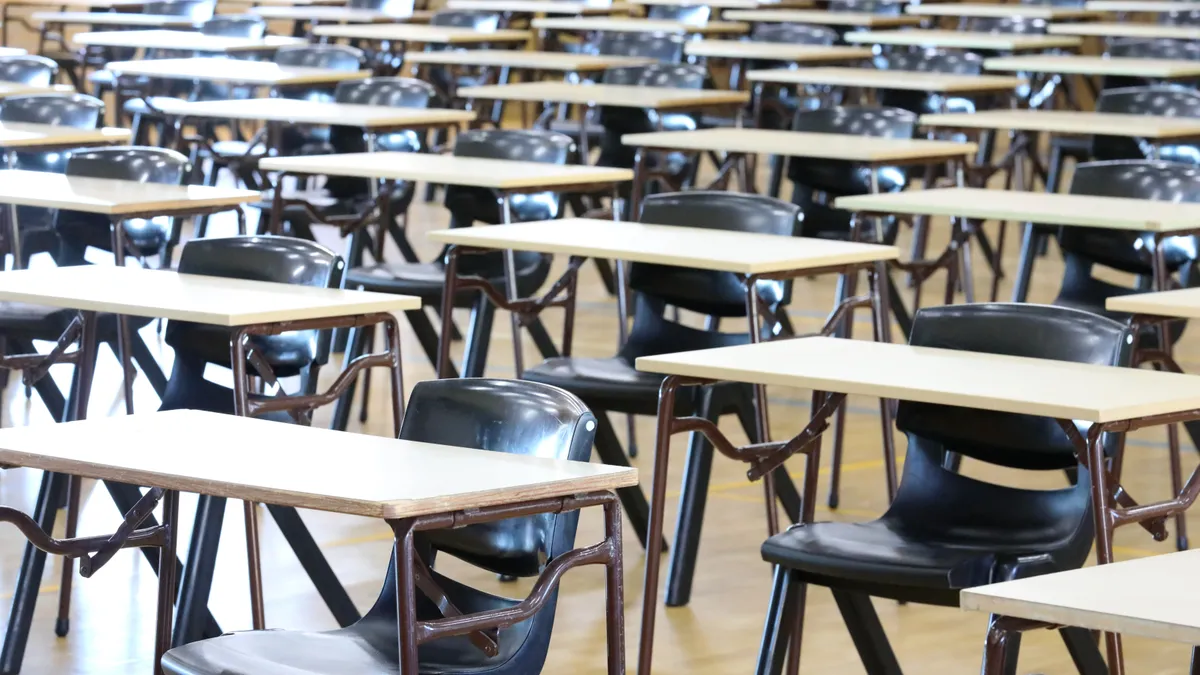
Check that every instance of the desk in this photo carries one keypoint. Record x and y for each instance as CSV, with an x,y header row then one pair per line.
x,y
870,78
406,32
183,40
956,39
115,19
753,257
524,60
774,51
1152,597
1108,399
628,25
1163,219
1003,11
1147,31
821,17
260,73
1159,69
411,485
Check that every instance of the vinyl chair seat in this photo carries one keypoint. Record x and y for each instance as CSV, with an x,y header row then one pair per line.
x,y
233,149
288,353
425,280
606,383
42,322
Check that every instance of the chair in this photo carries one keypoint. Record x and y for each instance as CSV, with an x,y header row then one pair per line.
x,y
1188,18
1007,24
468,205
662,48
197,11
496,415
1184,50
1166,101
235,25
448,79
614,385
691,14
73,110
928,61
620,121
945,532
885,7
36,71
483,22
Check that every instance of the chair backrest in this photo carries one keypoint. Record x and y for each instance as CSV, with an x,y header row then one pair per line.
x,y
69,110
1188,18
662,48
692,14
848,178
1019,25
399,92
1165,101
467,204
794,33
390,7
197,10
673,75
336,57
1187,50
235,25
484,22
278,259
136,163
888,7
502,416
932,501
706,292
37,71
928,61
1133,179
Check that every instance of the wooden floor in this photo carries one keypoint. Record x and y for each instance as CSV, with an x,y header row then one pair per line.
x,y
717,633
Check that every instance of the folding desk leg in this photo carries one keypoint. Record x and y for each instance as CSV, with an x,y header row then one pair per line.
x,y
29,578
314,563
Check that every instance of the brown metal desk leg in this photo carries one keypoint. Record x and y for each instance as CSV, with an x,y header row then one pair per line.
x,y
995,649
658,497
406,595
614,589
124,337
249,509
881,322
166,578
1101,496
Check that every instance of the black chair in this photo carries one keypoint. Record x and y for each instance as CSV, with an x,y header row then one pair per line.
x,y
1007,24
886,7
235,25
468,205
613,385
1183,50
196,11
945,532
73,110
928,61
448,79
684,13
1165,101
662,48
1188,18
496,415
37,71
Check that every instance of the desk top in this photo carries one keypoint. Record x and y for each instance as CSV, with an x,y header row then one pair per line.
x,y
407,32
1151,597
298,111
1183,303
1071,122
95,4
729,4
515,58
1096,65
955,39
264,73
1058,389
111,197
137,291
970,10
720,250
116,19
848,147
631,25
333,14
12,51
1148,31
185,40
942,83
1157,6
774,51
17,89
289,465
1139,215
620,95
821,17
498,174
24,135
567,7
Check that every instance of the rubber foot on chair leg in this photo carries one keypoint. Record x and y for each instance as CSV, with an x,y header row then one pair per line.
x,y
633,450
1181,543
62,627
506,578
833,501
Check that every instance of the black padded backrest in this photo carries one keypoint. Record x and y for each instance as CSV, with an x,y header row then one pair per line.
x,y
402,8
514,417
278,259
932,61
1028,330
400,92
528,145
618,121
485,22
794,33
337,57
673,75
1156,49
662,48
1188,18
1164,101
197,10
704,291
1007,24
37,71
235,25
70,110
136,163
888,7
684,13
848,178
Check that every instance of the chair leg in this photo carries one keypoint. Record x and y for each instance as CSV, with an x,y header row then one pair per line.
x,y
426,335
606,275
541,338
1181,538
149,365
1085,654
196,582
341,409
633,500
867,633
62,625
29,578
214,174
846,330
781,616
693,497
475,358
368,346
315,564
